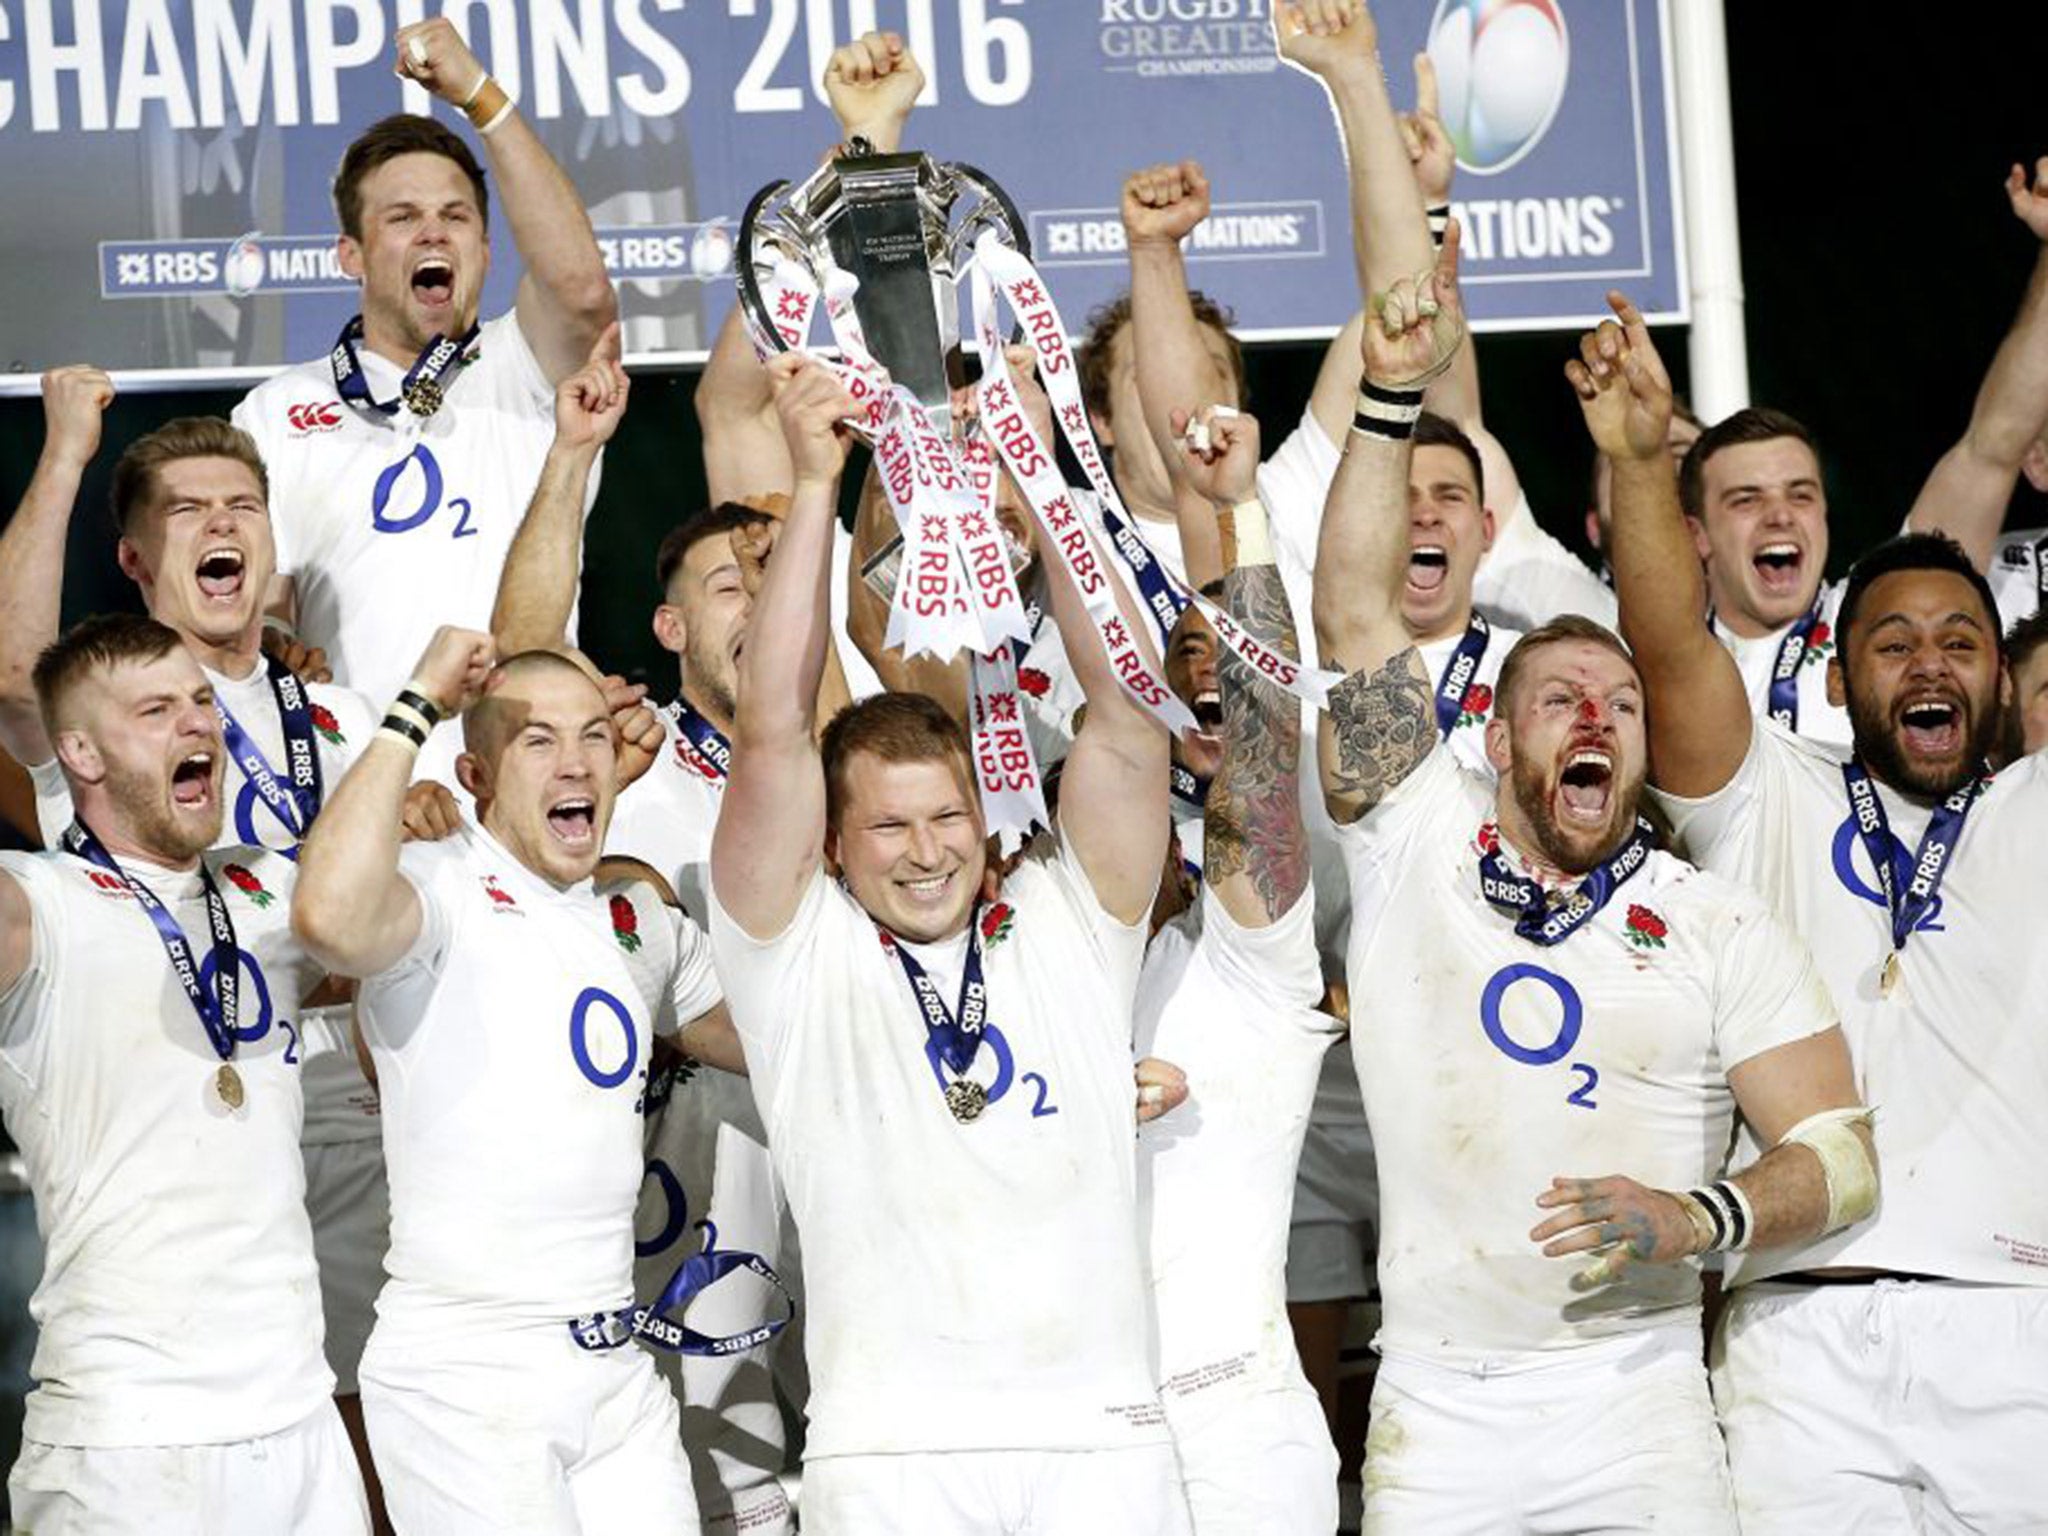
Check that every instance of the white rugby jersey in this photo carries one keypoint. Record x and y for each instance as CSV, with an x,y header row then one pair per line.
x,y
1234,1008
1757,659
1954,1061
179,1302
511,1045
341,1104
1492,1064
666,817
1528,578
970,1287
2019,574
393,526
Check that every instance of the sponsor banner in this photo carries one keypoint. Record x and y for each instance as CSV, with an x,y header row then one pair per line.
x,y
195,143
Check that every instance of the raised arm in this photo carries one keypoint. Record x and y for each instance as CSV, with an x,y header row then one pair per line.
x,y
351,908
32,550
771,827
1177,374
1966,495
565,295
1255,853
537,589
1381,720
1699,716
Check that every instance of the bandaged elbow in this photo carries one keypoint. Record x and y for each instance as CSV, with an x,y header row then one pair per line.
x,y
1840,1139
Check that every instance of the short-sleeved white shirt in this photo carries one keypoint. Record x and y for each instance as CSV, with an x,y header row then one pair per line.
x,y
179,1302
393,526
666,817
1492,1064
971,1287
1528,578
511,1044
341,1104
1954,1061
2017,574
1757,660
1234,1008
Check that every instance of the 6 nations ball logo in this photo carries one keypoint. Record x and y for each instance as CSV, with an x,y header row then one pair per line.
x,y
1501,67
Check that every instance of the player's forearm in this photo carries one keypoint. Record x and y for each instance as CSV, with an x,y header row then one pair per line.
x,y
712,1039
537,591
1966,494
351,908
1175,370
1789,1195
31,598
563,269
744,450
1201,537
1255,853
1362,554
791,626
1389,229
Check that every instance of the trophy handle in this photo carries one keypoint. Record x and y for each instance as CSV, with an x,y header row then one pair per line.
x,y
753,307
1013,221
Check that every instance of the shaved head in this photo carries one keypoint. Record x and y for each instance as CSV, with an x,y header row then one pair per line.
x,y
496,717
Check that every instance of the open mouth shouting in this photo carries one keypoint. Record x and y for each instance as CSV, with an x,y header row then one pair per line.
x,y
1931,727
572,822
220,572
1428,565
192,786
1778,566
1207,707
1586,787
433,282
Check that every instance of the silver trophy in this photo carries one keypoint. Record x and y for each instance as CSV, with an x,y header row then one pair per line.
x,y
905,226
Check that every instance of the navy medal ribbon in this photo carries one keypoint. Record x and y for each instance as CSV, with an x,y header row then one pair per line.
x,y
1524,898
1162,600
216,1008
1459,672
954,1034
426,383
297,806
709,743
1784,692
659,1322
1930,860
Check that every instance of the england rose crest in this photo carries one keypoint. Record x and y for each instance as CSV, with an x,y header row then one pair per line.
x,y
625,924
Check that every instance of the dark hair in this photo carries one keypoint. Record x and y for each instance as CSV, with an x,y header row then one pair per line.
x,y
1434,431
725,518
1752,424
897,728
1912,552
402,133
91,646
186,437
1105,320
1566,626
2025,637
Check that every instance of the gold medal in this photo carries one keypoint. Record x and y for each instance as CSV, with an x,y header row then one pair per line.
x,y
227,1082
1888,978
423,397
966,1100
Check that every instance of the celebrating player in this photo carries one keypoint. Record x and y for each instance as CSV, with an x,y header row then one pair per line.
x,y
148,989
510,1001
1844,1364
944,1070
400,462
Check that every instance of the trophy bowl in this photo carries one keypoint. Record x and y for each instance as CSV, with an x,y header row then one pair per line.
x,y
905,226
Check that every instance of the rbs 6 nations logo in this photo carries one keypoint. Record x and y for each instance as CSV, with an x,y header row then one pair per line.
x,y
1500,69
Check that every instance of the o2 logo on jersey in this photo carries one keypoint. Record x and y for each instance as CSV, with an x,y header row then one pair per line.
x,y
1525,1047
994,1042
254,984
1849,850
675,1210
408,494
283,840
1501,67
586,1019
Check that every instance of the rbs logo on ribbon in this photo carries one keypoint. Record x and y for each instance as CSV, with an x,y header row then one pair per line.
x,y
1501,67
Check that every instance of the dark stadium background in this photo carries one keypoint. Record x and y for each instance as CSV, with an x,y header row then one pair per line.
x,y
1880,261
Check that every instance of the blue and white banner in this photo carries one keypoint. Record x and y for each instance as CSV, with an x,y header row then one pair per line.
x,y
166,164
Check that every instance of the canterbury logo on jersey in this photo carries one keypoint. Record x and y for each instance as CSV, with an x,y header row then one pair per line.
x,y
319,416
111,886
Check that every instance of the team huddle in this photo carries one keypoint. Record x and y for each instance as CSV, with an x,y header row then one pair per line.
x,y
462,1097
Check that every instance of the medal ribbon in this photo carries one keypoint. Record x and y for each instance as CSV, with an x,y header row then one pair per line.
x,y
216,1009
297,807
437,368
1524,897
656,1322
955,1034
1459,672
1930,861
705,740
1189,787
1784,695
